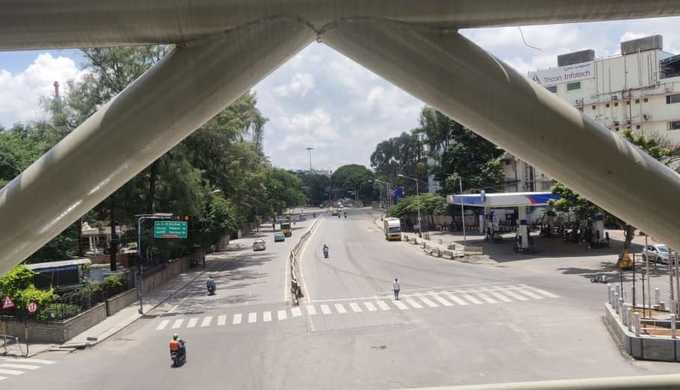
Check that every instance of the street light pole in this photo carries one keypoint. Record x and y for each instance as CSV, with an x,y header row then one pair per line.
x,y
309,150
140,270
462,209
420,225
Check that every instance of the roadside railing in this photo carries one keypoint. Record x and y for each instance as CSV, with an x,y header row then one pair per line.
x,y
7,341
293,258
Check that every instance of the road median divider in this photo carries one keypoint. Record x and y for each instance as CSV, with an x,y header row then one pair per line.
x,y
293,260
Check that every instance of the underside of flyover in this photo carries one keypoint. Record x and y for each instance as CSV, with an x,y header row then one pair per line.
x,y
223,48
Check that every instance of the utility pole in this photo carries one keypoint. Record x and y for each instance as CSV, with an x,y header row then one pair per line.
x,y
462,210
309,151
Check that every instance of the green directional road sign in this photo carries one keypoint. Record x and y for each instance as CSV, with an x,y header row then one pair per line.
x,y
170,229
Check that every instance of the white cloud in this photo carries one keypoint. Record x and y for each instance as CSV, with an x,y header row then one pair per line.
x,y
299,86
21,92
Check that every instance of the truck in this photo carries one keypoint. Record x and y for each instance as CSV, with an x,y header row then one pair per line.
x,y
392,229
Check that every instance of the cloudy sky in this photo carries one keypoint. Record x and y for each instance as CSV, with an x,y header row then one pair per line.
x,y
324,100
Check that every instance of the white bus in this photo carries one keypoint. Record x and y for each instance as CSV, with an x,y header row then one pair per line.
x,y
392,229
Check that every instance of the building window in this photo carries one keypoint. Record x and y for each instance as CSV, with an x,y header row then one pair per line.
x,y
637,127
573,86
616,104
628,102
552,89
674,125
594,107
637,101
672,99
646,100
607,105
617,129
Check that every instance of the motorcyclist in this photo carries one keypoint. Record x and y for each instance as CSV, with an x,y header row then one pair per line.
x,y
210,284
177,346
325,250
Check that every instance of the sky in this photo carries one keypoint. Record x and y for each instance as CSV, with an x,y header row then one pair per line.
x,y
324,100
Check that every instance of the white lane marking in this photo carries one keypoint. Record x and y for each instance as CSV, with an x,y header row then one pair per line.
x,y
370,306
267,316
538,290
440,299
2,378
178,323
192,322
252,317
413,303
526,292
428,302
296,312
456,299
281,315
325,309
11,372
355,307
514,295
485,297
400,305
19,366
38,361
471,298
340,309
311,310
237,319
163,324
221,320
498,295
383,306
206,322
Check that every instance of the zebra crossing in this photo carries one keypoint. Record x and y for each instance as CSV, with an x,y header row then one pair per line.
x,y
435,299
12,367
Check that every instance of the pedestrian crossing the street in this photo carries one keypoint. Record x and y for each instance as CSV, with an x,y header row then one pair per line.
x,y
13,367
437,299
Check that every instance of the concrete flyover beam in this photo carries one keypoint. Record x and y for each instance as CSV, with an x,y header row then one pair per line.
x,y
26,24
154,113
454,75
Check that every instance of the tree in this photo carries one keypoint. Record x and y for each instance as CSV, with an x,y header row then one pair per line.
x,y
429,204
401,155
354,180
315,186
583,209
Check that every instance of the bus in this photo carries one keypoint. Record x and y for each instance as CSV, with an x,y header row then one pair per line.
x,y
392,229
285,229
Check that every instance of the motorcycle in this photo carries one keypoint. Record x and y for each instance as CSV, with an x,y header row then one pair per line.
x,y
179,357
325,252
211,288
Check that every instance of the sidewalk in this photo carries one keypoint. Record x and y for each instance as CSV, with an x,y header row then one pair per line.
x,y
117,322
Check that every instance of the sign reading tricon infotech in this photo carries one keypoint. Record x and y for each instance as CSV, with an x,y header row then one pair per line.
x,y
564,74
170,229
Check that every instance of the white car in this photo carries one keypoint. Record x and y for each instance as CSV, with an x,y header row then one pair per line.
x,y
657,253
259,245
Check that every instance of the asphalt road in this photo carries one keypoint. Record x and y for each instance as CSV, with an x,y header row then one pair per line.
x,y
455,324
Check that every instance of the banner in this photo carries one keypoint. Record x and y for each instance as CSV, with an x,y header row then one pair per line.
x,y
564,74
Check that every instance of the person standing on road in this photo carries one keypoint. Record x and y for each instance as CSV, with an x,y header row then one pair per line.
x,y
396,288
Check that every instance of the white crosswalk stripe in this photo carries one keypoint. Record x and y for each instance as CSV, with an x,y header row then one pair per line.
x,y
470,298
237,319
370,306
428,302
281,315
526,292
440,299
486,298
400,305
267,316
10,372
296,312
19,366
31,360
538,290
514,295
355,307
455,298
252,317
340,309
311,310
12,367
2,378
413,303
326,310
206,322
383,306
178,323
221,320
192,322
162,324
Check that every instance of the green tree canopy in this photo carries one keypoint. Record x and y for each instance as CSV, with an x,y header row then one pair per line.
x,y
353,178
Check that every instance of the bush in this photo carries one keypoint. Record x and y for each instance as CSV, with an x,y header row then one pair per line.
x,y
114,284
58,311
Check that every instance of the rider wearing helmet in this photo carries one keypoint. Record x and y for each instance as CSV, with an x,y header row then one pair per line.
x,y
177,344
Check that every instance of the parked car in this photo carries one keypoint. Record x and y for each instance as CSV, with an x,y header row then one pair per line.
x,y
279,237
656,253
259,245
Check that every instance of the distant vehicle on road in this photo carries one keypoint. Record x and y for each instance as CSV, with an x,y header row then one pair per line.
x,y
658,253
259,245
392,229
286,230
334,212
278,237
